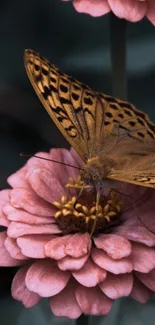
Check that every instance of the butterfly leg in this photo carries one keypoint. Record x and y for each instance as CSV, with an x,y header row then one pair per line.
x,y
113,201
98,195
78,185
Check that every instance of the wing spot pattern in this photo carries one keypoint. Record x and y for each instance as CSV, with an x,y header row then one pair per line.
x,y
108,114
47,92
114,106
142,135
140,121
121,115
151,134
132,123
63,88
88,101
75,96
37,67
52,79
44,71
75,87
127,112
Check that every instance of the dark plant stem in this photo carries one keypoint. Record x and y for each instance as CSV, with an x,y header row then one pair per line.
x,y
82,320
119,82
118,56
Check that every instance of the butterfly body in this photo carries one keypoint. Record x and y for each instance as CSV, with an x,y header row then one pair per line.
x,y
114,139
96,170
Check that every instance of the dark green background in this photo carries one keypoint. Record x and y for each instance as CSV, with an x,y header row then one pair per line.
x,y
80,46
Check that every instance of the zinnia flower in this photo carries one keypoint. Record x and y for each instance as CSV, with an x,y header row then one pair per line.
x,y
132,10
48,235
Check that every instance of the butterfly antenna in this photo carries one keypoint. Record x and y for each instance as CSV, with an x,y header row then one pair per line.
x,y
47,159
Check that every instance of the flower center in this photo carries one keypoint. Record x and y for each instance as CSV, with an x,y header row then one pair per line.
x,y
80,213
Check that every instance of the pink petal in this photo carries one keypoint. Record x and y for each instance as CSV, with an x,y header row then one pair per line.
x,y
19,290
143,258
76,158
137,234
148,279
124,265
67,157
18,179
140,292
29,201
13,249
20,215
45,184
55,248
44,278
5,258
151,11
78,245
33,246
73,264
64,304
4,198
95,9
115,246
131,10
90,274
35,162
17,229
147,203
137,194
92,301
116,286
57,170
3,220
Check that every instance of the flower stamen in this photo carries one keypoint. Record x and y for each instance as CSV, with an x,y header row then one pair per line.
x,y
80,214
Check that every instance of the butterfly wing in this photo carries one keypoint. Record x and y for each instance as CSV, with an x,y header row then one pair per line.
x,y
130,142
134,162
76,109
96,124
142,178
123,118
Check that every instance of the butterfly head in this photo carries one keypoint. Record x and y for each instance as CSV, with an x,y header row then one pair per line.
x,y
96,170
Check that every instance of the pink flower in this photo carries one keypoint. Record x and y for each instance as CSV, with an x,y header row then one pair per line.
x,y
132,10
79,273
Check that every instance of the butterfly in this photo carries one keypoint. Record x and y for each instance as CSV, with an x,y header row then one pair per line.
x,y
114,139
